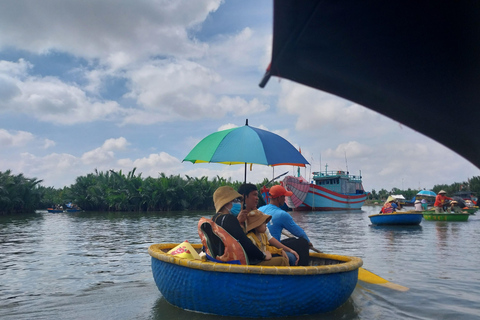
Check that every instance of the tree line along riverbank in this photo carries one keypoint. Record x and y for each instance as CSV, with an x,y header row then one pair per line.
x,y
116,191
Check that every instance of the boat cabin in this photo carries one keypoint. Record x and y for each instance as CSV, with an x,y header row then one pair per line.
x,y
339,181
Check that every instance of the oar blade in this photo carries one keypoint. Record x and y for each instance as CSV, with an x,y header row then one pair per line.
x,y
369,277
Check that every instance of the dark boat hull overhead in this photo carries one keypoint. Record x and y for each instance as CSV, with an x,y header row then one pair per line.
x,y
415,62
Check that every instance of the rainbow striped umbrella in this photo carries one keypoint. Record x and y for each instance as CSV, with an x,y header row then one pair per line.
x,y
246,145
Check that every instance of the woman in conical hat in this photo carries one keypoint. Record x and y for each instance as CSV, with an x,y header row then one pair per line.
x,y
390,206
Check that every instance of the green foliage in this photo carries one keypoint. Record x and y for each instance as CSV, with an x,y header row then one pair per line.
x,y
18,194
117,191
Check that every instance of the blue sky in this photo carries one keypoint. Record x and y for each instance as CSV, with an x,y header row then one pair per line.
x,y
103,85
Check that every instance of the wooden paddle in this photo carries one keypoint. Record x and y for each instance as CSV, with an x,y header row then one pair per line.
x,y
369,277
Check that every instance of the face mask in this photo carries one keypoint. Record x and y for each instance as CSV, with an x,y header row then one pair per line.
x,y
236,208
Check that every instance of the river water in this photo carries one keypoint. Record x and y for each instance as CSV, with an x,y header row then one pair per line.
x,y
95,265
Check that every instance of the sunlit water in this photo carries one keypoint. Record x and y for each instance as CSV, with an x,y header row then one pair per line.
x,y
96,266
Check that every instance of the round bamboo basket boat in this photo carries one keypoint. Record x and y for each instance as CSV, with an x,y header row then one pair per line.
x,y
254,291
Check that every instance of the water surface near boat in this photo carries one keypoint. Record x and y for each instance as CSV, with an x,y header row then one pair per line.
x,y
95,265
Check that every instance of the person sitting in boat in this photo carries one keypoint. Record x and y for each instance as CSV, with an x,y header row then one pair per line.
x,y
301,244
250,193
440,201
424,204
256,226
223,199
418,205
455,207
390,205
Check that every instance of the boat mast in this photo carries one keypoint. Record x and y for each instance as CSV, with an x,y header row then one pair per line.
x,y
346,164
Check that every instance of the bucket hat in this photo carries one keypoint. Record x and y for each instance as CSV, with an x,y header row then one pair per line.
x,y
256,218
224,195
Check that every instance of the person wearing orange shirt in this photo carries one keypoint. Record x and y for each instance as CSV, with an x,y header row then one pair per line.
x,y
440,201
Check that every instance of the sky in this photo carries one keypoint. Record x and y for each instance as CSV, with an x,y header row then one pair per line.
x,y
119,84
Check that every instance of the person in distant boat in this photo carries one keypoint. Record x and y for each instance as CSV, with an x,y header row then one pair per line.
x,y
282,220
256,228
223,199
455,207
440,201
250,193
390,206
424,204
418,205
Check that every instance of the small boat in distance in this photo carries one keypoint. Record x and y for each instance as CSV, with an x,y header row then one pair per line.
x,y
332,191
433,216
54,210
397,218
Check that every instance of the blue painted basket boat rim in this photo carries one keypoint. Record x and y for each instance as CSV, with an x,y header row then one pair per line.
x,y
158,251
397,213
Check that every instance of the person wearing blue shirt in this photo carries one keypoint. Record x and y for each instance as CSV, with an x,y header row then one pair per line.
x,y
282,220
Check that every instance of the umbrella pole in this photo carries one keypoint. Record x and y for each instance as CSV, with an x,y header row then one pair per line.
x,y
245,177
245,182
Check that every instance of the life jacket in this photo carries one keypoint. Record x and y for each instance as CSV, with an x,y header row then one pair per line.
x,y
387,208
220,245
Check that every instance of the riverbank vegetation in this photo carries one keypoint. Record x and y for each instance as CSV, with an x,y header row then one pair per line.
x,y
117,191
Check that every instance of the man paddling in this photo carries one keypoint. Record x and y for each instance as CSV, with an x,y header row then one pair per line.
x,y
250,193
440,201
282,220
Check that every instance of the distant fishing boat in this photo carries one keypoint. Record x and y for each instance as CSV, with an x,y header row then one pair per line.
x,y
330,191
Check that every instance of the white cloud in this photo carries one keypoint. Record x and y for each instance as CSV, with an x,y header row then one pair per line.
x,y
50,99
178,90
241,107
15,138
315,109
174,88
48,143
98,29
352,149
54,169
153,164
105,154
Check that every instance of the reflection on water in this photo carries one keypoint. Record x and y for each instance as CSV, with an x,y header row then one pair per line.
x,y
95,265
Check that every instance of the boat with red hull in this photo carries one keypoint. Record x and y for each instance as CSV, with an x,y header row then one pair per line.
x,y
331,191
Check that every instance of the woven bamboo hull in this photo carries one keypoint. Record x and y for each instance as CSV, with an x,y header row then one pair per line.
x,y
254,291
446,216
396,218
